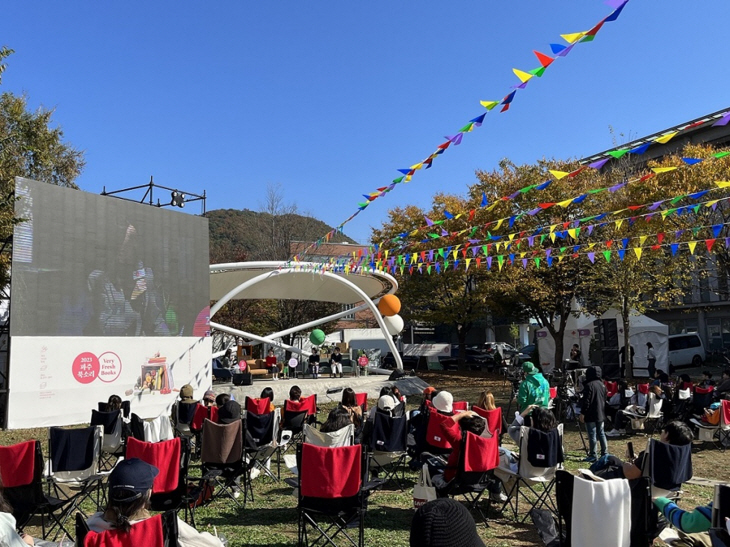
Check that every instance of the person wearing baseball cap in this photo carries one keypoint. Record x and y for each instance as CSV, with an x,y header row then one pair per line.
x,y
130,487
534,389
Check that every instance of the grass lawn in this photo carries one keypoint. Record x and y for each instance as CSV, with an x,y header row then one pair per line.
x,y
271,520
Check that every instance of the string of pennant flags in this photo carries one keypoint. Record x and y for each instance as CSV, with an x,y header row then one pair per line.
x,y
558,50
512,219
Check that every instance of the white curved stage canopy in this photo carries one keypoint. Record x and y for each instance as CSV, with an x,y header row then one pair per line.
x,y
298,281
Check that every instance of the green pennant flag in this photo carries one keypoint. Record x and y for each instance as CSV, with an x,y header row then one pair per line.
x,y
363,204
484,250
434,236
466,128
588,38
500,260
618,153
537,262
446,265
527,189
596,190
537,71
607,255
428,269
542,238
562,249
473,230
439,222
696,208
695,231
674,201
721,154
399,179
441,252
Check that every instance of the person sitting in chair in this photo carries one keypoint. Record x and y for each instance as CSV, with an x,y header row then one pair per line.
x,y
130,488
314,363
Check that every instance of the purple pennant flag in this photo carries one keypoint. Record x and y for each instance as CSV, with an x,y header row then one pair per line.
x,y
429,222
592,257
456,139
489,262
534,211
722,121
567,50
714,206
548,252
524,263
654,206
598,164
616,187
530,240
474,251
513,196
648,217
727,242
444,233
615,4
430,255
523,85
617,11
590,229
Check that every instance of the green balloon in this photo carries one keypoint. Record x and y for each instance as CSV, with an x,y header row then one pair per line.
x,y
317,337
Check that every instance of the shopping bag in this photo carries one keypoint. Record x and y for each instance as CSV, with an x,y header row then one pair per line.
x,y
424,490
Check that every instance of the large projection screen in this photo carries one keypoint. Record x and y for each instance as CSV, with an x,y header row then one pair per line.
x,y
107,297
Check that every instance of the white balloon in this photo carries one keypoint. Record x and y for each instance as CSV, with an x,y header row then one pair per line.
x,y
394,324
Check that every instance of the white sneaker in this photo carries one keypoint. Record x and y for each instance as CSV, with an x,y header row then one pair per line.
x,y
236,492
255,472
616,433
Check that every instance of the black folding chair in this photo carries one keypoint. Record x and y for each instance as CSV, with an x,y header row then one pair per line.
x,y
388,443
112,445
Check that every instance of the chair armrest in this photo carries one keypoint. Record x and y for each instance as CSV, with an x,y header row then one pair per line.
x,y
212,474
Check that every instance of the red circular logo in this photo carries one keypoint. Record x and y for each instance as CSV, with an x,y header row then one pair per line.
x,y
85,368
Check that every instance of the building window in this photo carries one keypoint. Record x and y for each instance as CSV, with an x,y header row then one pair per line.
x,y
351,316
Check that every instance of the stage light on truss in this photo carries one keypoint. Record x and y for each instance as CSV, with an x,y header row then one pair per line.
x,y
178,199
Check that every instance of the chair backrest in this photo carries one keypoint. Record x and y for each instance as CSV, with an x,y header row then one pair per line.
x,y
389,434
262,428
308,404
493,418
158,429
156,531
362,400
720,505
434,434
258,405
643,388
111,422
136,425
478,454
611,388
17,464
166,456
668,466
655,406
74,453
460,406
126,408
21,468
185,412
222,443
341,437
702,398
331,473
528,471
725,414
203,413
553,392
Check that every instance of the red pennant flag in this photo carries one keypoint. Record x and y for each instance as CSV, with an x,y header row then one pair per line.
x,y
505,108
565,225
545,205
634,207
423,256
595,29
709,243
545,60
609,243
479,261
648,176
410,270
574,255
660,237
463,253
471,214
656,247
574,173
444,146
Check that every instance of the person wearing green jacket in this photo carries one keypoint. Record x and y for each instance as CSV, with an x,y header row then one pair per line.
x,y
534,389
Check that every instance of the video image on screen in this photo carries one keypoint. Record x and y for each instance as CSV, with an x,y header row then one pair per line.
x,y
91,265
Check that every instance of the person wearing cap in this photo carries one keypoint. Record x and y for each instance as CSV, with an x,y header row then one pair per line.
x,y
229,412
209,398
187,394
444,522
534,389
443,402
130,488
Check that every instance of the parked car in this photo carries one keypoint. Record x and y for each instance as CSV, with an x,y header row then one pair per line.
x,y
475,359
685,349
410,362
523,354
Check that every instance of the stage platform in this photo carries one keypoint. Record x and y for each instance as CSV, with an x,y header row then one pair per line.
x,y
408,386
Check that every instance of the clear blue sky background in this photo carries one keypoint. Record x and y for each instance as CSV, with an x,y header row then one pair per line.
x,y
328,98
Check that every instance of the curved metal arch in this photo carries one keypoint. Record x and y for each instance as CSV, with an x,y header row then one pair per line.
x,y
337,278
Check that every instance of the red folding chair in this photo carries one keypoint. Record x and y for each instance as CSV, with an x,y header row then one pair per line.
x,y
156,531
332,493
611,388
362,401
437,443
460,406
258,406
477,458
493,418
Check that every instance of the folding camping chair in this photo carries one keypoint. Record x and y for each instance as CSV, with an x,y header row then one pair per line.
x,y
654,414
593,498
73,465
184,415
493,419
297,413
332,494
21,469
478,457
701,399
667,466
157,531
720,511
222,460
172,459
460,406
707,433
362,400
261,431
341,437
126,408
436,443
112,445
136,427
529,475
202,413
388,442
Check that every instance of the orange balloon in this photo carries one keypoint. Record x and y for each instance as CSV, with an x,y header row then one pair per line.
x,y
389,305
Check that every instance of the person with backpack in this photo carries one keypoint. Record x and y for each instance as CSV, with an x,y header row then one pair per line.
x,y
593,412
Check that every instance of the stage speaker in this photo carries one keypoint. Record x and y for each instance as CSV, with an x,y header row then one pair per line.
x,y
397,375
610,334
243,379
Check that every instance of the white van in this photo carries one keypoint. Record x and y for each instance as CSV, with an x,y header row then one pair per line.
x,y
685,349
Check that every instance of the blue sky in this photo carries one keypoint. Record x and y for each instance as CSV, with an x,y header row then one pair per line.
x,y
329,98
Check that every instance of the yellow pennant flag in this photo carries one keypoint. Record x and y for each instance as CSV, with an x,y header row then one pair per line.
x,y
489,104
571,233
413,258
658,170
417,166
573,37
492,206
560,258
692,245
637,251
457,217
565,203
413,233
408,178
665,214
522,255
722,183
386,254
552,228
455,254
468,261
552,236
511,237
347,270
642,239
591,245
499,223
559,174
523,76
711,203
619,222
666,138
616,213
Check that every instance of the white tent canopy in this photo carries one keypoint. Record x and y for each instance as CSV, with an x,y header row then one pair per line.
x,y
643,329
578,330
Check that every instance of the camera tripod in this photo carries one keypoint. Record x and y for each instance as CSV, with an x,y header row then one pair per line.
x,y
564,409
